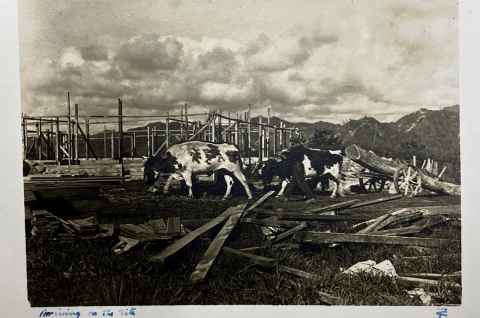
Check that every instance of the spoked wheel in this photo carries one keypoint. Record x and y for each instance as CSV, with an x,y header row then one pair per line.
x,y
373,184
408,181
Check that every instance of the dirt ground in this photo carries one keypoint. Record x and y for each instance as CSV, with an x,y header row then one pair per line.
x,y
81,273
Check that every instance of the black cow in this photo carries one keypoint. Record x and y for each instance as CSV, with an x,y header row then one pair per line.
x,y
298,163
182,161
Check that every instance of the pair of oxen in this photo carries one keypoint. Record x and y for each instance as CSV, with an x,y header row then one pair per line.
x,y
294,166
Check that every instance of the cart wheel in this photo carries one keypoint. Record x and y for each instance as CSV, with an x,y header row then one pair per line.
x,y
407,181
372,184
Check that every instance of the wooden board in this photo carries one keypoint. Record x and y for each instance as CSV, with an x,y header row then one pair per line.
x,y
202,268
187,239
290,232
332,207
328,238
313,217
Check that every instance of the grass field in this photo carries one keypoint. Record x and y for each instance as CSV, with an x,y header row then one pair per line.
x,y
83,272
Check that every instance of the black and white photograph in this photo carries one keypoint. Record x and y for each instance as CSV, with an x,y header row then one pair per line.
x,y
256,152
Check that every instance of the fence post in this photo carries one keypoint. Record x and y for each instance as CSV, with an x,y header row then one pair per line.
x,y
149,152
69,141
39,139
167,131
87,133
57,140
75,132
104,141
120,130
112,144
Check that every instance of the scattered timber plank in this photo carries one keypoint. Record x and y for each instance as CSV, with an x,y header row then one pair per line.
x,y
270,222
312,217
409,214
414,228
328,238
372,227
413,281
333,207
202,268
272,263
290,232
434,276
454,255
187,239
258,202
376,201
252,258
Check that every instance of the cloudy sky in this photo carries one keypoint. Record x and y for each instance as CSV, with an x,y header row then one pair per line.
x,y
310,60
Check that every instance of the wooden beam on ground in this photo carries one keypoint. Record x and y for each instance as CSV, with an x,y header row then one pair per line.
x,y
202,268
258,202
416,282
290,232
376,201
434,276
427,257
332,207
414,228
270,222
312,217
372,227
328,238
187,239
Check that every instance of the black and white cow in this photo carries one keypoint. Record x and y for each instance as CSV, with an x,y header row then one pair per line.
x,y
185,160
299,163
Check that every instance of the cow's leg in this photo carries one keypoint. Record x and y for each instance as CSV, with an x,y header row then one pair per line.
x,y
187,176
298,175
335,188
168,183
229,182
241,177
284,186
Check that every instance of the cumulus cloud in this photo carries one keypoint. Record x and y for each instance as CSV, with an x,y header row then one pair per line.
x,y
149,53
94,53
385,64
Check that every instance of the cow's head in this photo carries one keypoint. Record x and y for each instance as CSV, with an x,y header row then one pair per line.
x,y
153,166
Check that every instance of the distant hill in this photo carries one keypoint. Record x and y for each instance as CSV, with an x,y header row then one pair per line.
x,y
425,133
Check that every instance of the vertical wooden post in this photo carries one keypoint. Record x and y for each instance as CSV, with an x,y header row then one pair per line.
x,y
51,141
260,139
120,130
220,139
69,141
134,144
149,150
57,140
186,120
154,132
267,134
87,139
167,131
249,135
75,131
181,123
280,141
275,140
104,141
39,139
212,137
112,144
237,127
